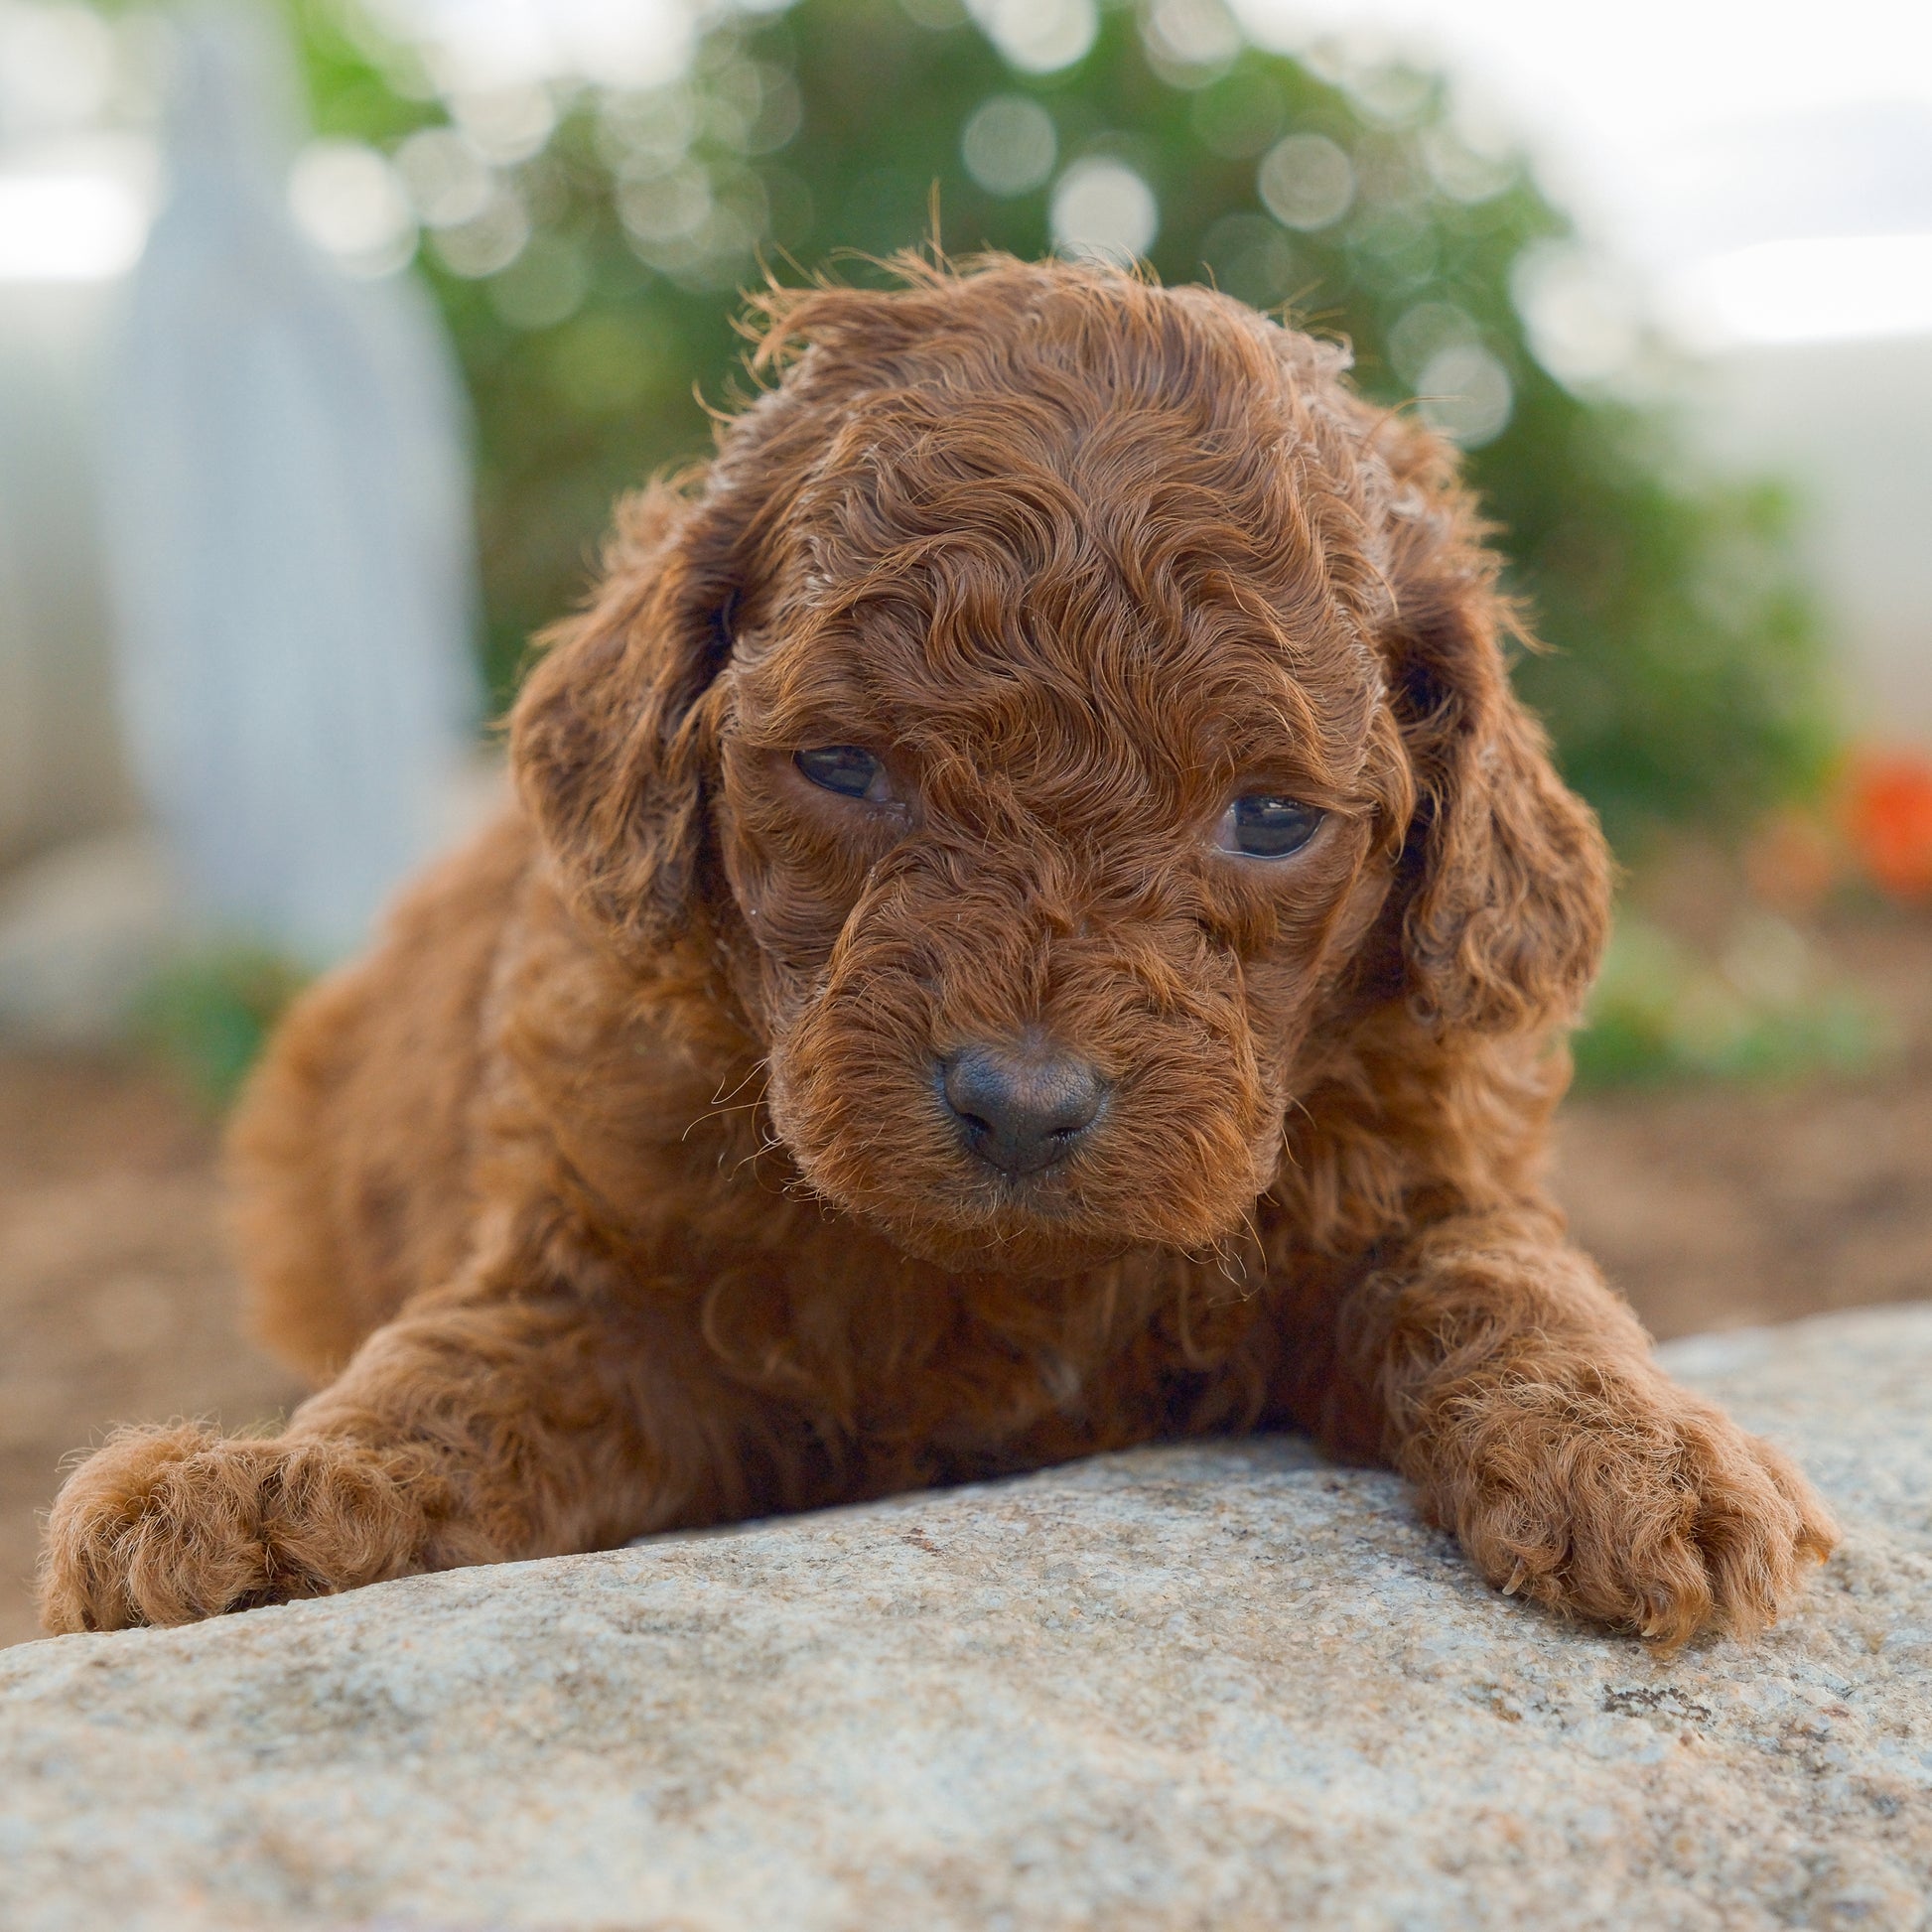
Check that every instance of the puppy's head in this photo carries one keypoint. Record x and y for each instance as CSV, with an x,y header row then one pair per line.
x,y
1061,708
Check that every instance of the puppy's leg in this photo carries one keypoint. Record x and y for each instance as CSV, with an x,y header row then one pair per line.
x,y
483,1423
1517,1392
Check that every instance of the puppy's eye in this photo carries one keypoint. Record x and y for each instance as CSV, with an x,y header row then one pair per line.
x,y
1262,826
846,770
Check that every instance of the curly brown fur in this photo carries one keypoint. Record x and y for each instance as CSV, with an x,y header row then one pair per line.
x,y
612,1192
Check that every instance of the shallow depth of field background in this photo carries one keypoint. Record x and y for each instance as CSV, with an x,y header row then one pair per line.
x,y
329,329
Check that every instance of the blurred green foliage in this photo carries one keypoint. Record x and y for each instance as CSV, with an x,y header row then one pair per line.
x,y
589,258
1659,1013
206,1016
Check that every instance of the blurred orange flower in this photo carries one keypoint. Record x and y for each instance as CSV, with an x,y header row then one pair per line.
x,y
1888,816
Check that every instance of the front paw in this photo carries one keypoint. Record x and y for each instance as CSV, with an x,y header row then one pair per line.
x,y
169,1524
1613,1494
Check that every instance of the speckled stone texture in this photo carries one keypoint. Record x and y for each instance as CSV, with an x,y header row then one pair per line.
x,y
1214,1688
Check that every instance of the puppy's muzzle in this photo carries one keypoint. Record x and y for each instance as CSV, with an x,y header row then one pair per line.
x,y
1022,1108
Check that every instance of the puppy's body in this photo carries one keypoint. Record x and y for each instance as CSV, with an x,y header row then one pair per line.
x,y
807,1359
643,1176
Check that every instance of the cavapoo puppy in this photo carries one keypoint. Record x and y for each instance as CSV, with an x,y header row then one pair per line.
x,y
1034,924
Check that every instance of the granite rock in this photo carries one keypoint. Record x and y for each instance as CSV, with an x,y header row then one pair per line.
x,y
1213,1687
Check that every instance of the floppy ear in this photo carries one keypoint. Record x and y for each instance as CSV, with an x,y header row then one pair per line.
x,y
613,746
608,741
1508,900
611,743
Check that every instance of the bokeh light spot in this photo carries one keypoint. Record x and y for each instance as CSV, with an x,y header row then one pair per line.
x,y
1189,42
1104,211
447,180
506,124
1009,145
1582,318
350,203
1422,333
1466,393
665,208
1391,94
1305,182
1460,168
621,42
1038,35
755,108
488,241
639,134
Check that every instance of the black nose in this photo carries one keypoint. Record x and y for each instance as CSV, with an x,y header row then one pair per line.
x,y
1023,1107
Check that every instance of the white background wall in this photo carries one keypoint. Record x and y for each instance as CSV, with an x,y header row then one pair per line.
x,y
60,767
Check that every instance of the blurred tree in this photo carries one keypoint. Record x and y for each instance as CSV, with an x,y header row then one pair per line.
x,y
586,241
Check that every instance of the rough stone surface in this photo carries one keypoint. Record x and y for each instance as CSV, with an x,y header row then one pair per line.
x,y
1217,1688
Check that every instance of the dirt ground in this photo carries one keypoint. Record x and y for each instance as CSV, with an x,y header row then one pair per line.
x,y
1712,1208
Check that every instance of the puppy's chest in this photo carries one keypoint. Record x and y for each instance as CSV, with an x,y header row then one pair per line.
x,y
1015,1417
931,1377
